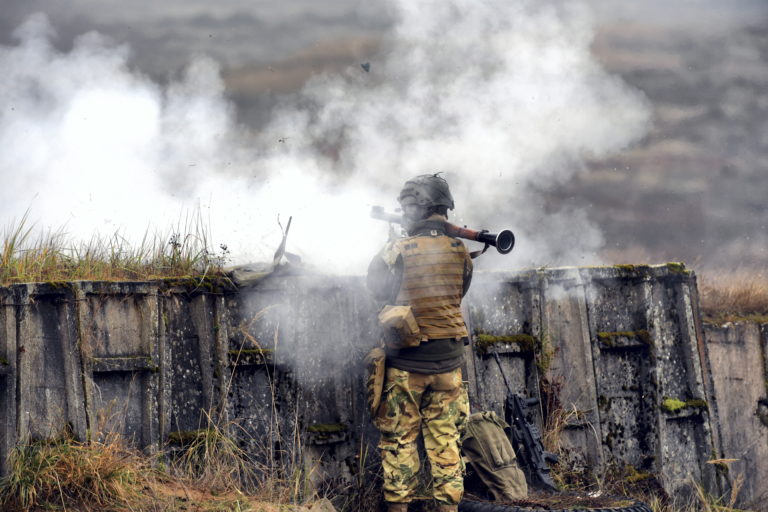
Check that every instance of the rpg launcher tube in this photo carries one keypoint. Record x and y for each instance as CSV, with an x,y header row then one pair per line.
x,y
503,241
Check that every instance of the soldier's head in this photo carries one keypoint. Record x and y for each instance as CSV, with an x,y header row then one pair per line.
x,y
424,196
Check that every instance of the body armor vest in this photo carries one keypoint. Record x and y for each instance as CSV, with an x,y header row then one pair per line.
x,y
433,282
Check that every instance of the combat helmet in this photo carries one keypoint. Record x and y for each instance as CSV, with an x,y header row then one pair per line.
x,y
429,191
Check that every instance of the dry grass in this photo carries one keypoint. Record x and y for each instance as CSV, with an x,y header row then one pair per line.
x,y
735,296
64,473
211,474
211,459
29,255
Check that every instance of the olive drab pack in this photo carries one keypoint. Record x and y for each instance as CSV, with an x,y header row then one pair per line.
x,y
400,327
375,366
486,447
433,283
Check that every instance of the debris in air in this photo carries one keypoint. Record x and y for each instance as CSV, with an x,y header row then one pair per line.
x,y
281,248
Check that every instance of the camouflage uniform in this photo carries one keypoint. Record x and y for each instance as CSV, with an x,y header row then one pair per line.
x,y
423,389
437,406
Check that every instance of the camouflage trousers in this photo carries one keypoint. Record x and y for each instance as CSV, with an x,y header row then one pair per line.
x,y
435,406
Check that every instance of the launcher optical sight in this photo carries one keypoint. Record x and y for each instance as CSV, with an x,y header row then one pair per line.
x,y
503,241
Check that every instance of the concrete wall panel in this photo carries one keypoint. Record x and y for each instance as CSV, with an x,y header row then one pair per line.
x,y
50,393
571,371
118,328
191,364
8,376
736,353
679,376
620,345
502,309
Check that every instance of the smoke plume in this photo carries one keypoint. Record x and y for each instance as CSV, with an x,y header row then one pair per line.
x,y
503,97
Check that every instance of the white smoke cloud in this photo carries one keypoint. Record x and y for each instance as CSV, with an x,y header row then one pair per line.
x,y
504,97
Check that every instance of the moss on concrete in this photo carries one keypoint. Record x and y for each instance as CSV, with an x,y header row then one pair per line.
x,y
633,475
251,352
4,361
609,338
678,267
718,461
674,405
544,354
249,356
60,285
633,268
200,284
328,428
724,318
484,342
187,437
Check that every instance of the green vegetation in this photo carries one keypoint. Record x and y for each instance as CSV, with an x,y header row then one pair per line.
x,y
82,476
676,267
484,342
673,405
53,257
544,353
327,431
609,338
633,268
722,318
327,428
251,352
632,475
212,459
4,361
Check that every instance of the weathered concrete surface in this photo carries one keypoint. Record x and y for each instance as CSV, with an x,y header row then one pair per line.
x,y
737,355
279,363
49,380
8,405
615,342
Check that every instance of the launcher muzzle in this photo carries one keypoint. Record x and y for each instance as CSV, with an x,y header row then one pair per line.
x,y
503,241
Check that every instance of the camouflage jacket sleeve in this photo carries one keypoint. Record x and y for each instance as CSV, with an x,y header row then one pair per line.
x,y
385,273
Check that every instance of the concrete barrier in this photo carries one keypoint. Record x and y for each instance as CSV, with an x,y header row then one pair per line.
x,y
737,354
280,361
618,343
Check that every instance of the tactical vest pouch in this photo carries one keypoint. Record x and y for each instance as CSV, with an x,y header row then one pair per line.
x,y
400,327
375,366
486,446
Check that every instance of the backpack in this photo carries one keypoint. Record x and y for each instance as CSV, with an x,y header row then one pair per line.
x,y
486,447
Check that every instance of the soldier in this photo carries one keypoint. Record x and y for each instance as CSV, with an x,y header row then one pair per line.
x,y
423,391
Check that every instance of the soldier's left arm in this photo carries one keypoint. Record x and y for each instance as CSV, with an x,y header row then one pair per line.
x,y
385,273
468,267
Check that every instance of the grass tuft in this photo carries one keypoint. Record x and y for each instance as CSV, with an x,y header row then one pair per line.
x,y
97,475
54,256
210,458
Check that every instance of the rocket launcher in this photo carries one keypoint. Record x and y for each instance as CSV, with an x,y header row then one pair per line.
x,y
503,241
